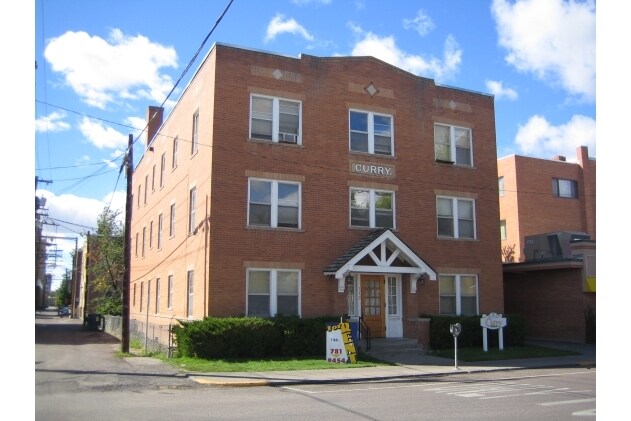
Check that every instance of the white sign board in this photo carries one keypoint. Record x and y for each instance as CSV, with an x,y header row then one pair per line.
x,y
340,347
493,321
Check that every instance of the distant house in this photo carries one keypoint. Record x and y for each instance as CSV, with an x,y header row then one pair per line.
x,y
316,186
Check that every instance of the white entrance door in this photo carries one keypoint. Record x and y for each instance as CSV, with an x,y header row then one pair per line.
x,y
394,320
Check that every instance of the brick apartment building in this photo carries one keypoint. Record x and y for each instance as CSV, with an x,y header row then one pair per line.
x,y
540,196
548,215
316,186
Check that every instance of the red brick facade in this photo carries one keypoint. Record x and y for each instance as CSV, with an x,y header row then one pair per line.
x,y
528,205
224,245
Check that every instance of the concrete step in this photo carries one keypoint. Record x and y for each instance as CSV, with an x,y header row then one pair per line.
x,y
383,348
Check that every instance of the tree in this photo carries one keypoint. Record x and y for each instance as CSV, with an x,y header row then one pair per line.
x,y
62,294
107,263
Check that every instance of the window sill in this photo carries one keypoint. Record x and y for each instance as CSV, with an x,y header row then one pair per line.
x,y
372,155
263,228
278,143
442,237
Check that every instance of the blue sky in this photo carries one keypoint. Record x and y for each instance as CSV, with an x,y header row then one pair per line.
x,y
100,64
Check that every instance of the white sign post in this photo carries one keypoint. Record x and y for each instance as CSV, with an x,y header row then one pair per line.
x,y
493,321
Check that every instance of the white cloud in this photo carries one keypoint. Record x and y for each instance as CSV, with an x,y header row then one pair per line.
x,y
52,123
539,138
421,23
553,39
102,136
385,48
104,71
498,89
279,25
74,216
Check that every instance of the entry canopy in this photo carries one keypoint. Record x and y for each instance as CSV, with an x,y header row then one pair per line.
x,y
380,252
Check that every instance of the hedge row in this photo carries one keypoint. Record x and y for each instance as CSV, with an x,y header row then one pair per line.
x,y
471,334
252,337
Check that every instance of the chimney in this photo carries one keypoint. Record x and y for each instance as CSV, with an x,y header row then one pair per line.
x,y
558,158
154,121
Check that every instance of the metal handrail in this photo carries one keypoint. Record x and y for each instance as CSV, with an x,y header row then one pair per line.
x,y
364,330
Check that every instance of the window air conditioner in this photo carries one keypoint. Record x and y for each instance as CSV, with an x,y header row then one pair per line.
x,y
288,137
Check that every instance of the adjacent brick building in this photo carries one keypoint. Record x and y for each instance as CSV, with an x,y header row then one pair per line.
x,y
548,217
316,186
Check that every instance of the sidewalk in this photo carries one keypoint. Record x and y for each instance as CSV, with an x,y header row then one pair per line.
x,y
407,367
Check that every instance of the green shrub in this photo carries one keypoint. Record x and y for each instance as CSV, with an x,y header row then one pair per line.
x,y
251,337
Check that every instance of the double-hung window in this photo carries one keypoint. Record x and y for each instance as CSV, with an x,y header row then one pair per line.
x,y
191,211
500,185
372,208
274,204
195,138
458,295
370,132
174,156
272,292
275,119
172,221
565,188
190,282
456,217
453,144
162,169
159,231
169,291
144,234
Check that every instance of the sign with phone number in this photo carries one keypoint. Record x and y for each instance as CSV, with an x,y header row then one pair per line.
x,y
340,347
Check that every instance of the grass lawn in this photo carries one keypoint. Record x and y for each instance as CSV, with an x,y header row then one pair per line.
x,y
311,363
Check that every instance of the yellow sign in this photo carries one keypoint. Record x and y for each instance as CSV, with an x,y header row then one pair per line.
x,y
340,347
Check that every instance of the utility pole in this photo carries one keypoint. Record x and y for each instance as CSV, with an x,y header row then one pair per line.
x,y
129,162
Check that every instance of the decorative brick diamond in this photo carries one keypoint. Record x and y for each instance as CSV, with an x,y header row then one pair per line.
x,y
277,74
371,89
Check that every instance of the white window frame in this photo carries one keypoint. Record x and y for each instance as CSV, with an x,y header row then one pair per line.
x,y
192,208
195,134
162,169
503,234
500,185
146,187
273,290
453,156
277,135
455,201
144,234
159,232
157,307
169,291
372,212
153,178
174,156
275,202
172,220
458,293
150,234
370,133
190,284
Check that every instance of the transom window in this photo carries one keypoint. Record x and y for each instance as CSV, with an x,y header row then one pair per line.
x,y
453,144
272,292
372,208
456,217
565,188
275,119
458,295
370,132
274,204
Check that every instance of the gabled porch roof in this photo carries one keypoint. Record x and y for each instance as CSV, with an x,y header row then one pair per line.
x,y
381,251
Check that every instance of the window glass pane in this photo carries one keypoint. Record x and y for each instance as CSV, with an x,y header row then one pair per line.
x,y
447,285
287,283
503,230
462,137
467,306
463,156
262,113
287,305
383,200
468,286
360,217
465,229
288,193
444,207
441,141
258,282
260,214
359,131
384,219
288,216
383,135
258,306
260,191
360,199
289,117
446,227
447,305
565,188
